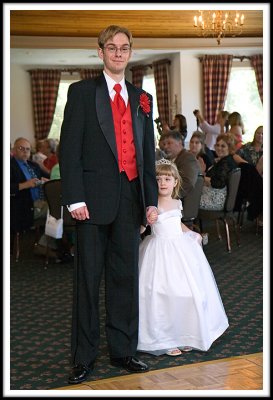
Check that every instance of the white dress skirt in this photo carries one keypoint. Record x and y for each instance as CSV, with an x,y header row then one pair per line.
x,y
179,302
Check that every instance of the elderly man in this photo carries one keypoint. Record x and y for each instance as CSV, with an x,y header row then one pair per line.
x,y
186,163
26,177
26,194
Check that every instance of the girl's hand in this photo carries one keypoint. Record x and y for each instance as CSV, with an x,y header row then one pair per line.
x,y
151,215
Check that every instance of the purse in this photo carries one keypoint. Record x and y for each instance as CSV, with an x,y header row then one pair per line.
x,y
53,226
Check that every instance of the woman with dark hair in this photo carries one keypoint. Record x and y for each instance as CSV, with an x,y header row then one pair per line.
x,y
180,124
199,150
215,183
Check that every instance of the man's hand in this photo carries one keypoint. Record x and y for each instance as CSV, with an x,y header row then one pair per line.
x,y
151,215
80,213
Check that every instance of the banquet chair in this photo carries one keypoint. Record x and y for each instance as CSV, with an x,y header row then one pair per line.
x,y
227,213
52,191
38,224
191,204
250,191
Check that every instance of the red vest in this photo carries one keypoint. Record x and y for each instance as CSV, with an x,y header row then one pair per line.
x,y
125,141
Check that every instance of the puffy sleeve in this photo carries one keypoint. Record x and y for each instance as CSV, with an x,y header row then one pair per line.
x,y
180,205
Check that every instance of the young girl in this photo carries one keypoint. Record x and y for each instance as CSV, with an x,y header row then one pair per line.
x,y
179,303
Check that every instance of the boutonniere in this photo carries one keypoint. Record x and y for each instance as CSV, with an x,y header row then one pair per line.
x,y
144,104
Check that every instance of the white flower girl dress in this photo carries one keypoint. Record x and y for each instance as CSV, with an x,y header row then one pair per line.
x,y
179,302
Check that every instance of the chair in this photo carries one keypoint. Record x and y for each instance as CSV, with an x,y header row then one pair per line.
x,y
250,194
52,191
227,213
191,203
15,237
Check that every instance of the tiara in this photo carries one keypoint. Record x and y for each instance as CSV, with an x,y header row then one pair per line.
x,y
163,161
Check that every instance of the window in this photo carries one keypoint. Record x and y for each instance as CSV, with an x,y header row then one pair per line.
x,y
243,97
149,86
55,129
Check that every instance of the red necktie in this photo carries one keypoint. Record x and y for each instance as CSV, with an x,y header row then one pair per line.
x,y
118,100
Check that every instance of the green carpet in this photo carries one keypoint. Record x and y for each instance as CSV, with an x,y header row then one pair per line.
x,y
40,314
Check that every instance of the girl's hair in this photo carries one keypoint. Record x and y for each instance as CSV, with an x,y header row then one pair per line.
x,y
166,167
229,140
201,137
110,32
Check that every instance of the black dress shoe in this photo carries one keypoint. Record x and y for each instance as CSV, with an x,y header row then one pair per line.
x,y
79,373
131,364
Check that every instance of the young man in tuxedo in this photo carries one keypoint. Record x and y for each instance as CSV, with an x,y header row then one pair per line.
x,y
107,165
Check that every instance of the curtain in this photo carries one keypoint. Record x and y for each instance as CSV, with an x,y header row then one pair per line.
x,y
216,72
90,73
138,72
257,63
45,86
161,74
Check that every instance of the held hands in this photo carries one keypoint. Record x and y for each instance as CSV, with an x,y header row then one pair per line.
x,y
151,215
80,213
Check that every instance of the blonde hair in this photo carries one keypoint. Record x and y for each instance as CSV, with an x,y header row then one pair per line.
x,y
110,32
235,118
166,167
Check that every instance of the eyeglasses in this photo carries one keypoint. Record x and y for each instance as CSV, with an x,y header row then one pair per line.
x,y
113,49
22,148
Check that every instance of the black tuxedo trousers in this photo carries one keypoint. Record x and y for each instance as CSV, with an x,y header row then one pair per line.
x,y
111,249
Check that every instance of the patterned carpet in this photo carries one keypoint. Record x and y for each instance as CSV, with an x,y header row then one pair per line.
x,y
40,314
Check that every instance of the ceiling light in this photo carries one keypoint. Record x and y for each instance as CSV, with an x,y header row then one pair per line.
x,y
219,24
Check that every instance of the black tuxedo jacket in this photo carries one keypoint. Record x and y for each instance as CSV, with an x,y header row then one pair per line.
x,y
88,154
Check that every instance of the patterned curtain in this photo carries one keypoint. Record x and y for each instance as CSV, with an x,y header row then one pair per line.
x,y
45,86
216,73
257,64
161,74
90,73
138,72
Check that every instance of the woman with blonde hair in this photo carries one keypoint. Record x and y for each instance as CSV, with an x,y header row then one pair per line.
x,y
236,128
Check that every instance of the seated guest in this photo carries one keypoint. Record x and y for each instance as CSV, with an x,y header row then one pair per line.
x,y
186,162
215,183
253,151
197,148
26,193
49,150
38,156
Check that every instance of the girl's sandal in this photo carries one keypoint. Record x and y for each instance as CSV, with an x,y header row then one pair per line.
x,y
174,352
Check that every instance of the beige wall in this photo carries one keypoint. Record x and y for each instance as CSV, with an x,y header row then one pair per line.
x,y
21,117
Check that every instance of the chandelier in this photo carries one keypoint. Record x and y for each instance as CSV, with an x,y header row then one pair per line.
x,y
219,24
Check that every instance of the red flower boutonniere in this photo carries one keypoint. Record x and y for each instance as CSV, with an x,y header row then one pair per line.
x,y
144,103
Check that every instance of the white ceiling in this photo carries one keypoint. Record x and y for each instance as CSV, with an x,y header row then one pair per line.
x,y
55,54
